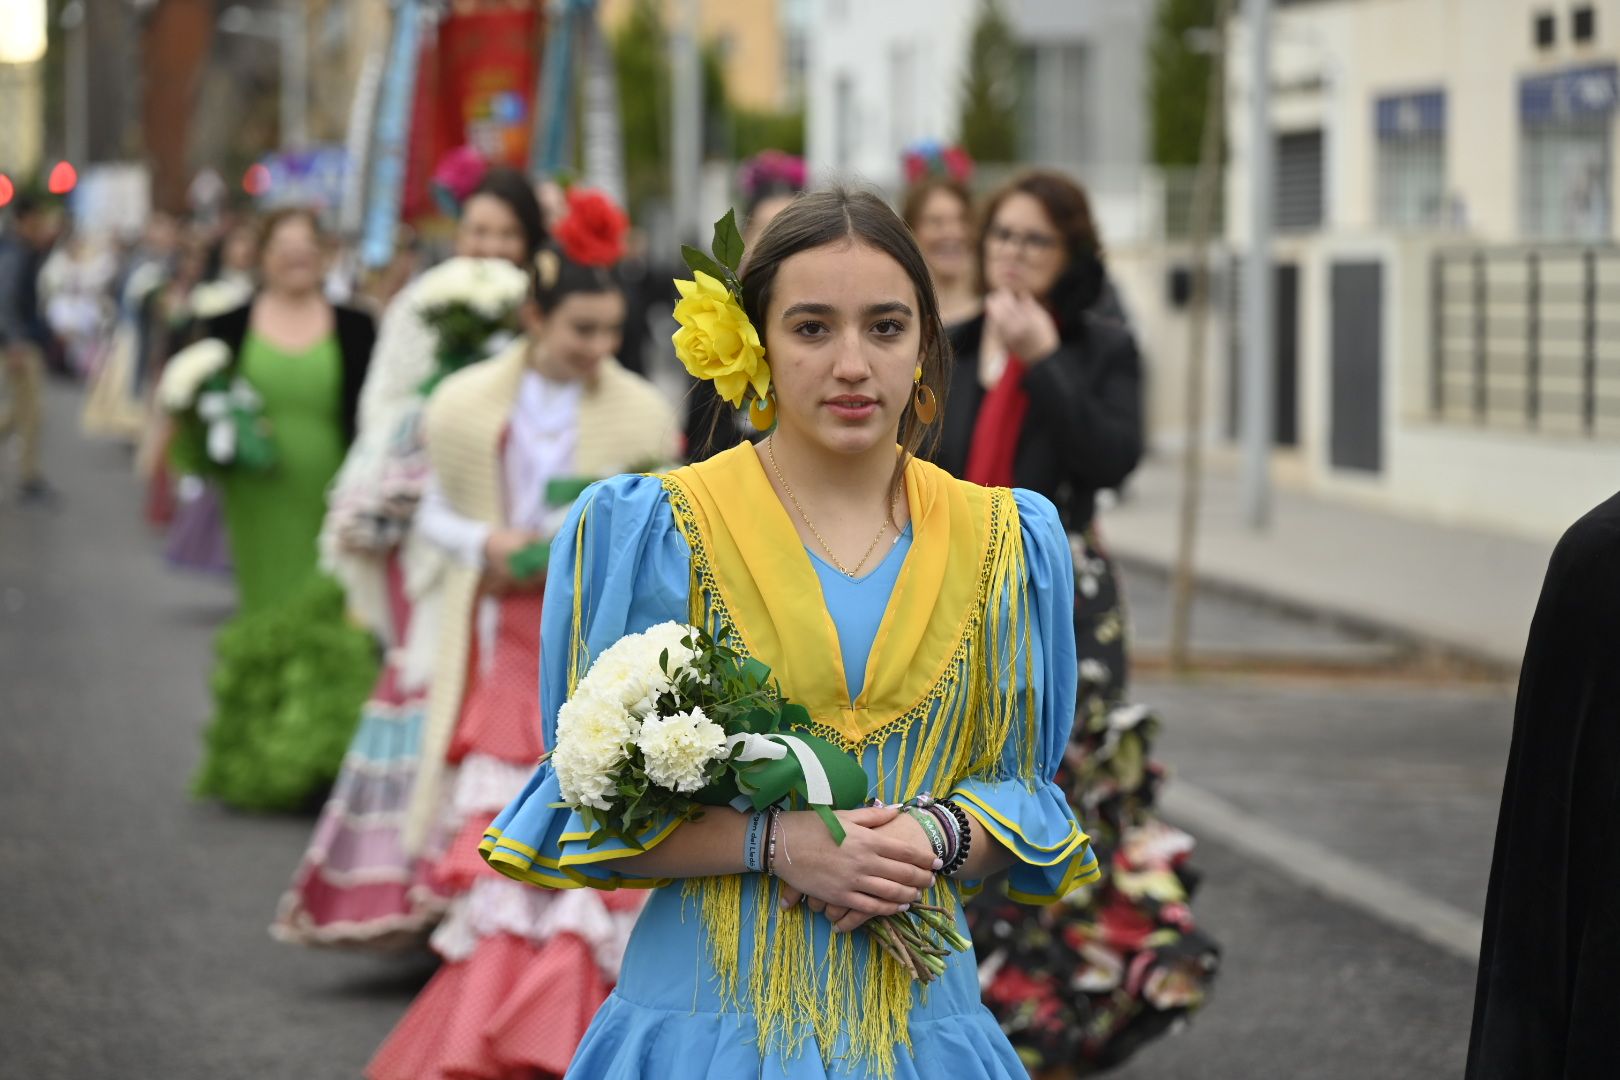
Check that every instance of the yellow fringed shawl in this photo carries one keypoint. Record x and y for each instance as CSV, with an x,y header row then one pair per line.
x,y
940,678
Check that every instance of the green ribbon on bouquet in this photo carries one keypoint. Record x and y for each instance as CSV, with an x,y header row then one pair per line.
x,y
775,757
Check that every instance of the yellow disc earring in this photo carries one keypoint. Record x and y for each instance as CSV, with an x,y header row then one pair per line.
x,y
762,411
925,401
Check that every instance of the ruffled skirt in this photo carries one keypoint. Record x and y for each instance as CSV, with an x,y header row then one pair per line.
x,y
288,685
629,1041
525,968
356,885
1086,982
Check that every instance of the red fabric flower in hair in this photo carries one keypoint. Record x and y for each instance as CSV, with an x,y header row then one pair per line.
x,y
592,232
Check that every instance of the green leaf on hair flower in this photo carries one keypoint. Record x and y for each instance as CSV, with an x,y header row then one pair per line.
x,y
701,263
728,242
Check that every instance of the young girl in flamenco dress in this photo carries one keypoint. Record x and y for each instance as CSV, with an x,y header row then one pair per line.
x,y
511,442
357,884
922,621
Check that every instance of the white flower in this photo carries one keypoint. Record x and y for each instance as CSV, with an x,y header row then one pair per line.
x,y
671,636
679,748
217,297
492,287
187,370
592,733
628,671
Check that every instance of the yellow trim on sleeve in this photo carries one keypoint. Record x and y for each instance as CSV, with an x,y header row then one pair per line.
x,y
520,848
1063,849
608,855
1083,872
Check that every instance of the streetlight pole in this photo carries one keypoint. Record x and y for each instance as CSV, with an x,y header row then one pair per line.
x,y
687,123
295,74
76,76
1258,283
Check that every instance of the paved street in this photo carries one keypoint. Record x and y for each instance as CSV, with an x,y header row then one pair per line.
x,y
132,919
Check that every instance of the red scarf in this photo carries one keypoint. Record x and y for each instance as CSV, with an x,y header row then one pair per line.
x,y
995,433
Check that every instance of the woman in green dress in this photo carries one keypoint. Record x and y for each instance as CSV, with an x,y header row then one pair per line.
x,y
291,671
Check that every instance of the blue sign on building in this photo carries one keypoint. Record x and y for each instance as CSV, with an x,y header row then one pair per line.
x,y
1407,116
1586,91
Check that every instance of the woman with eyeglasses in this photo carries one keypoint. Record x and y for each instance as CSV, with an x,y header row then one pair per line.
x,y
1046,394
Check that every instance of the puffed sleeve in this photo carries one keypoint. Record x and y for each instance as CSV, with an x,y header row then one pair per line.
x,y
1028,814
619,566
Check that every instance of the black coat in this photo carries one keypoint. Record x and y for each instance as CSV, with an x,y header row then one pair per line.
x,y
1083,430
1549,967
356,334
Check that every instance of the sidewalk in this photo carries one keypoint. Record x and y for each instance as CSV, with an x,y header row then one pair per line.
x,y
1461,590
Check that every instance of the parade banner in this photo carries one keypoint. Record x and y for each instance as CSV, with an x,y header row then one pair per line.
x,y
388,165
476,89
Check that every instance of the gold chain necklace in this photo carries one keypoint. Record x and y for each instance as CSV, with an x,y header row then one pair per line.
x,y
770,447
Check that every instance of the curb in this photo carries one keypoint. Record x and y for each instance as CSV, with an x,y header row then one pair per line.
x,y
1413,647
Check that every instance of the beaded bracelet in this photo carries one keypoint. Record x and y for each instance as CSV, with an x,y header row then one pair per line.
x,y
955,864
930,826
770,846
754,842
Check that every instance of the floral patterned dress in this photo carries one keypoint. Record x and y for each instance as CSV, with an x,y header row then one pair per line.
x,y
1085,983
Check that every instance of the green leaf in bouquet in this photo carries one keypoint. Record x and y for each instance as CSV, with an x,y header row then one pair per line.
x,y
795,716
529,561
728,241
722,791
698,262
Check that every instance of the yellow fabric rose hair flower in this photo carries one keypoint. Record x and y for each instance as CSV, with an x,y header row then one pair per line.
x,y
716,341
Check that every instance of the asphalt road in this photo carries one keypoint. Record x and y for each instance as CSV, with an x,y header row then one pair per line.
x,y
132,918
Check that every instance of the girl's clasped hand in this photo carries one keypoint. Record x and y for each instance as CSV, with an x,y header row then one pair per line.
x,y
882,867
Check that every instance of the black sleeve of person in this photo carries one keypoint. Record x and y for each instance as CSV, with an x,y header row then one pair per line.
x,y
1548,993
1088,395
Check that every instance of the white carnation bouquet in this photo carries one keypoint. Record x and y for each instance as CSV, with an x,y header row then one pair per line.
x,y
669,721
198,383
214,298
469,304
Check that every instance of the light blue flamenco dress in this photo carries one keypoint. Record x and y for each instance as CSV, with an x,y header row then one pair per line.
x,y
675,1013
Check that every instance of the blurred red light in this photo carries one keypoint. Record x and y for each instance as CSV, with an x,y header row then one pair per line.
x,y
256,181
64,178
7,189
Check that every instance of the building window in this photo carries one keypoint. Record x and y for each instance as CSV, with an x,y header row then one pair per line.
x,y
1566,154
1299,199
1056,123
1411,159
1583,24
1545,30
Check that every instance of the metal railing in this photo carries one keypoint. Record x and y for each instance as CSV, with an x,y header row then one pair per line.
x,y
1527,338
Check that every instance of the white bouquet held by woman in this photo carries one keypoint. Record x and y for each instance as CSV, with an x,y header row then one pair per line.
x,y
198,381
469,304
668,721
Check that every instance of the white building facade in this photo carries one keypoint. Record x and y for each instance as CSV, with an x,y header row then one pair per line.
x,y
1447,277
884,75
